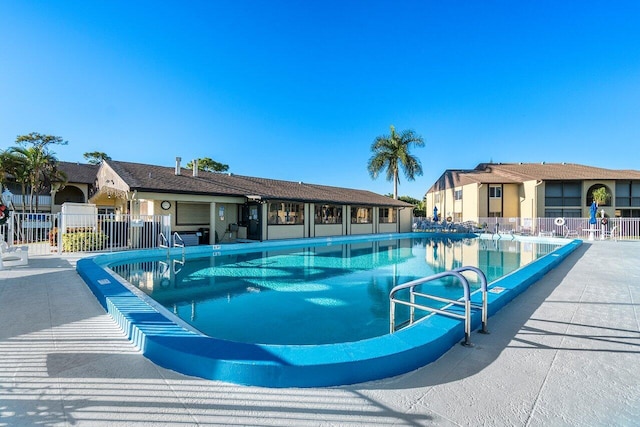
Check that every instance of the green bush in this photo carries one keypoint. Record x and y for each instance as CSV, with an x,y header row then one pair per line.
x,y
83,241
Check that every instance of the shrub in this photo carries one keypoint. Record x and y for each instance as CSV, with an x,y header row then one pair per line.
x,y
83,241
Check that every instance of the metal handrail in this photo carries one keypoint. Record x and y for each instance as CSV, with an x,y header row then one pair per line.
x,y
483,290
164,242
176,262
466,300
177,237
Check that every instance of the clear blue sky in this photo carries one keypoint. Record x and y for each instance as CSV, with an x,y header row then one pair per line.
x,y
298,90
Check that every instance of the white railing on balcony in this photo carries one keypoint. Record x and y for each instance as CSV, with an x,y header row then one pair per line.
x,y
17,201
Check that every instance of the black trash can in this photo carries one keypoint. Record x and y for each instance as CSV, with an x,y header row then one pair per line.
x,y
203,238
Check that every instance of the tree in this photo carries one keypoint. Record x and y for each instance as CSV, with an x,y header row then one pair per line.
x,y
7,165
418,205
209,165
36,166
601,196
95,157
391,152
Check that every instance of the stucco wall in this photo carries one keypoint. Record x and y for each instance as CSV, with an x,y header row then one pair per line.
x,y
285,232
511,201
405,216
470,202
361,228
387,228
323,230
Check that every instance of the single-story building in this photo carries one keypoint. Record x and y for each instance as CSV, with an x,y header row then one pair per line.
x,y
228,206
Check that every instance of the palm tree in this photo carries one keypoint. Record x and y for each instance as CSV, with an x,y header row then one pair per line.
x,y
391,152
36,166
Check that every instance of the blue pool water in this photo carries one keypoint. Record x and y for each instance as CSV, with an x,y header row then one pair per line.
x,y
322,294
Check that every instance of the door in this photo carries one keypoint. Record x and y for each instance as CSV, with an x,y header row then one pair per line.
x,y
252,218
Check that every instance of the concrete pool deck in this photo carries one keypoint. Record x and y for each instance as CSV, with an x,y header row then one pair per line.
x,y
565,352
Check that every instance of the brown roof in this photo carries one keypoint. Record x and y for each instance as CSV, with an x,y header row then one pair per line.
x,y
79,172
506,173
163,179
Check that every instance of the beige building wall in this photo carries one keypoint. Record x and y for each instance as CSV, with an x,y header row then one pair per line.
x,y
483,195
610,207
361,228
405,216
528,196
470,202
222,225
325,230
275,232
446,203
388,228
511,201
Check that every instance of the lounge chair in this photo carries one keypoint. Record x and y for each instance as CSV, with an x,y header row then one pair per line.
x,y
13,256
568,233
611,234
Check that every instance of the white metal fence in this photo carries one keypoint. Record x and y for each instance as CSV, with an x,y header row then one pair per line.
x,y
57,233
625,228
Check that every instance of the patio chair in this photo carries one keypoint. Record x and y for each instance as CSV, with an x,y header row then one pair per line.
x,y
611,234
10,257
568,233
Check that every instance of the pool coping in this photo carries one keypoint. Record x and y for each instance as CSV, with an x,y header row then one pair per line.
x,y
172,345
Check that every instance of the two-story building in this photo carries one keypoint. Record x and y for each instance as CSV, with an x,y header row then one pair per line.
x,y
532,190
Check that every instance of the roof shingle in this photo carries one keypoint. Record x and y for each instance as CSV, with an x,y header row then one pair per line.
x,y
162,179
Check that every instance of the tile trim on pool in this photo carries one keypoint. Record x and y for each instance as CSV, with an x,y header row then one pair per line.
x,y
173,345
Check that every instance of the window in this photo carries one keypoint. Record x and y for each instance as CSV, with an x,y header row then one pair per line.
x,y
457,195
628,213
285,213
563,193
328,214
436,198
628,193
361,215
192,213
387,215
564,213
495,191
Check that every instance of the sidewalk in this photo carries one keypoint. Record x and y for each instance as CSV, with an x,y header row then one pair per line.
x,y
566,352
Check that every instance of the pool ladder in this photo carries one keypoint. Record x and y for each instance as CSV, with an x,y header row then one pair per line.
x,y
465,301
178,242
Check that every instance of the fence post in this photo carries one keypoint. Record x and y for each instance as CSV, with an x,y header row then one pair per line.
x,y
11,228
59,238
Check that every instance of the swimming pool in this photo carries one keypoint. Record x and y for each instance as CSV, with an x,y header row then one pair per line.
x,y
171,343
321,294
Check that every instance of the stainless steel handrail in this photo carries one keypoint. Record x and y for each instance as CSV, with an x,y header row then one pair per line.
x,y
483,290
164,242
466,300
177,237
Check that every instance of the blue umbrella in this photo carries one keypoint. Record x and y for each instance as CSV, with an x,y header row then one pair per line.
x,y
435,214
592,210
